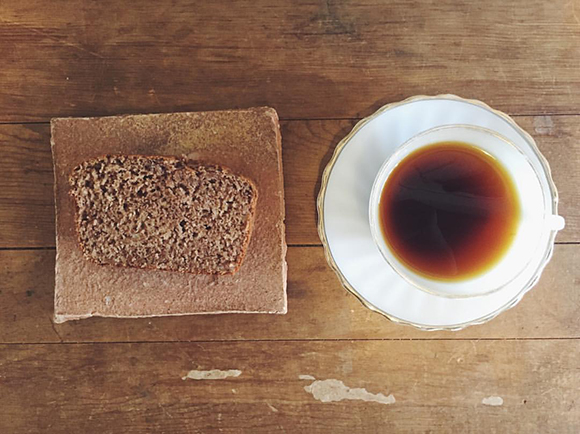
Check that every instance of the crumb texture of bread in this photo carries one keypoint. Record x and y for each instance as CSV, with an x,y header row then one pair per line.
x,y
160,213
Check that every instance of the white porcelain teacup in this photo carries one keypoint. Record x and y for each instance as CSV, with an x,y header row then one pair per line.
x,y
536,218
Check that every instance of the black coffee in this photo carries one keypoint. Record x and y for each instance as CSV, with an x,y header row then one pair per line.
x,y
449,211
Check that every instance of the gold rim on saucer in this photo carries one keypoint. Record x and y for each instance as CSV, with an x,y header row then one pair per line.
x,y
322,193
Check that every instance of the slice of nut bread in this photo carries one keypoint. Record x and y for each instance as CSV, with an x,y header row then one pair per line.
x,y
160,213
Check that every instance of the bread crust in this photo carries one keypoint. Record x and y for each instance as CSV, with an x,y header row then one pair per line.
x,y
189,165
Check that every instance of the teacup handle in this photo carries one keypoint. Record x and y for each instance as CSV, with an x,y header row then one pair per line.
x,y
556,222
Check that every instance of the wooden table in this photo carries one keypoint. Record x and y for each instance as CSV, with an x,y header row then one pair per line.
x,y
322,64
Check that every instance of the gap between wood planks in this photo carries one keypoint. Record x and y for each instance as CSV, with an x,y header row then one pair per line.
x,y
326,340
282,119
563,243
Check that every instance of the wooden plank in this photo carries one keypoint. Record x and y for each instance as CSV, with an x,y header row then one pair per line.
x,y
27,180
436,386
318,308
557,137
26,202
309,59
308,146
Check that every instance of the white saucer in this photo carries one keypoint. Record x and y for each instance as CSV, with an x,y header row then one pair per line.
x,y
343,213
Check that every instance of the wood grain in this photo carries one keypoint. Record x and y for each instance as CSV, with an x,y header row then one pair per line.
x,y
438,386
322,64
26,197
309,58
318,308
